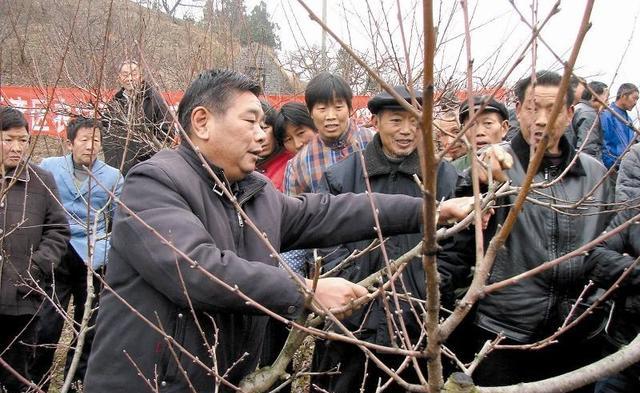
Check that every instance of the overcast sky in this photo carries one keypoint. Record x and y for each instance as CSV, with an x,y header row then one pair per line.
x,y
498,27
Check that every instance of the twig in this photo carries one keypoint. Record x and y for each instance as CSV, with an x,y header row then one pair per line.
x,y
583,376
484,351
20,378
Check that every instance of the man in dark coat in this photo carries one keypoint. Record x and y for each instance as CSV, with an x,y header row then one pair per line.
x,y
33,238
586,122
137,120
532,309
607,262
391,161
178,223
628,180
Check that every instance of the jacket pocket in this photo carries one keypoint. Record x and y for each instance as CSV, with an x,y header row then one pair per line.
x,y
28,282
168,362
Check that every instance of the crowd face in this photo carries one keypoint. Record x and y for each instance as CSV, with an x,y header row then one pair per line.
x,y
331,118
446,131
489,128
231,140
533,115
398,130
296,137
628,101
269,144
85,146
130,77
14,145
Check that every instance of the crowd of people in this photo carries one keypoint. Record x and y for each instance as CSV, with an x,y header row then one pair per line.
x,y
187,292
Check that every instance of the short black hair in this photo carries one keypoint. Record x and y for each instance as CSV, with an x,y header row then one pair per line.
x,y
12,118
597,87
270,113
83,122
543,78
574,81
325,88
213,89
294,113
626,89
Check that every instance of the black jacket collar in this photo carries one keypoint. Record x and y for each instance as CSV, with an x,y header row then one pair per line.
x,y
141,93
19,173
378,164
243,189
521,149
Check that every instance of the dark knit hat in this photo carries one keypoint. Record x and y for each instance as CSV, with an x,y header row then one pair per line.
x,y
385,100
492,106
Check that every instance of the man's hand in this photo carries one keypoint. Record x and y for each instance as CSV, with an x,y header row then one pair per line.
x,y
335,293
456,209
497,160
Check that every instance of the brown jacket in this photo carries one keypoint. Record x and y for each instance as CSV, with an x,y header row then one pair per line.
x,y
34,234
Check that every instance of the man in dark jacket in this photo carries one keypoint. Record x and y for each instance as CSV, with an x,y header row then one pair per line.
x,y
628,180
33,238
532,309
137,120
391,161
178,223
585,120
607,262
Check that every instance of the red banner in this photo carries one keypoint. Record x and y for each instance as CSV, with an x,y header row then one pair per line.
x,y
49,111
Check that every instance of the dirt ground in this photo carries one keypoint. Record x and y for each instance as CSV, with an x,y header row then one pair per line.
x,y
60,357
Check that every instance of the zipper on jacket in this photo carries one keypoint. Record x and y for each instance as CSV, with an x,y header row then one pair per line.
x,y
554,252
240,220
245,197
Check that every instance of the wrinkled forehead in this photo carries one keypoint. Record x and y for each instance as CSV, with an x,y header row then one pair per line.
x,y
541,93
128,67
14,132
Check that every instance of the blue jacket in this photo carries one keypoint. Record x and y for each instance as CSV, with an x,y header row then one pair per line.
x,y
615,134
75,201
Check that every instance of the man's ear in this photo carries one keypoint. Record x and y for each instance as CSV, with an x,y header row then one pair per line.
x,y
69,145
518,109
375,121
570,112
505,127
200,117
